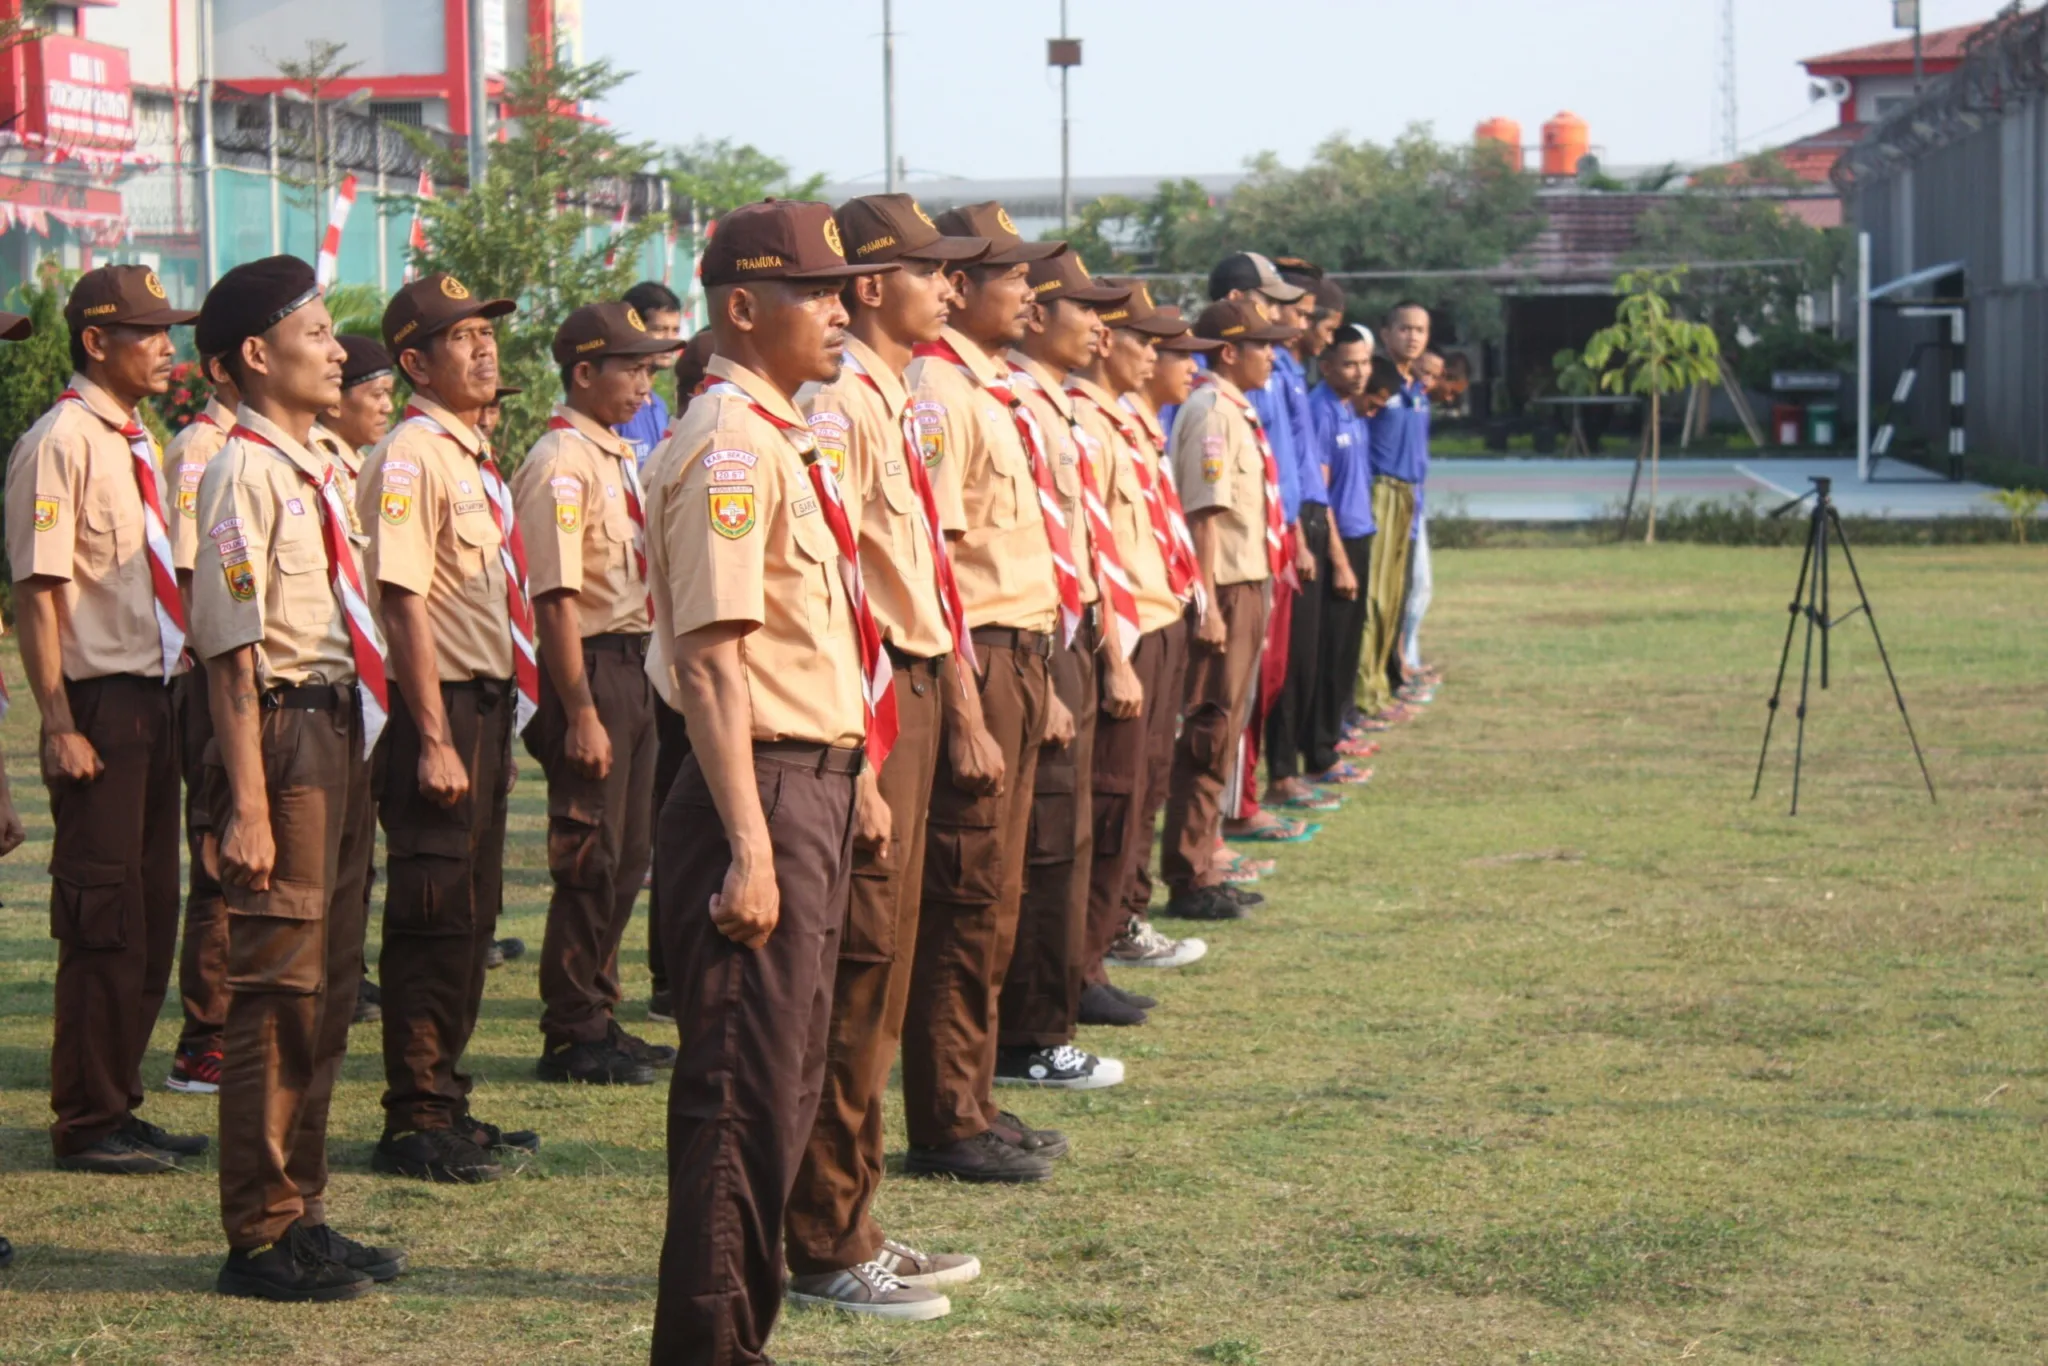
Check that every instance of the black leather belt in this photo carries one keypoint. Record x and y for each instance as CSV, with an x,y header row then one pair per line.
x,y
619,642
1010,638
807,754
490,691
311,697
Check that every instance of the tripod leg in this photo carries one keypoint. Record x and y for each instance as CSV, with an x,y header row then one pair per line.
x,y
1813,620
1784,658
1822,511
1897,695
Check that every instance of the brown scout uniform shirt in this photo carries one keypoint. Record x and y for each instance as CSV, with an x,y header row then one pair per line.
x,y
1055,414
987,497
1130,517
185,461
570,497
431,533
860,434
735,534
75,514
265,579
1216,464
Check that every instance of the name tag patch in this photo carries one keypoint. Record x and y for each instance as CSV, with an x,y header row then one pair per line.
x,y
804,507
466,506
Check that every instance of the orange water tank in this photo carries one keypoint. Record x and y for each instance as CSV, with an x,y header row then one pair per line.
x,y
1566,141
1503,136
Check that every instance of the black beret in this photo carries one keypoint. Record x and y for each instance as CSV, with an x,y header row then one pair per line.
x,y
367,360
250,300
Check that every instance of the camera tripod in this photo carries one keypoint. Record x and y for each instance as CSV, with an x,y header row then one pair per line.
x,y
1824,530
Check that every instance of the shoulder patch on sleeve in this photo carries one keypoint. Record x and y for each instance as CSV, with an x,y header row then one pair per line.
x,y
732,512
1213,447
928,418
831,428
729,456
395,508
46,513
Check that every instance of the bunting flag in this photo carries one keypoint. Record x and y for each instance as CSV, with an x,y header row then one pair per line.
x,y
416,240
611,251
329,263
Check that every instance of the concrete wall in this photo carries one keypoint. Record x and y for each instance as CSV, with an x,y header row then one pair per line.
x,y
388,37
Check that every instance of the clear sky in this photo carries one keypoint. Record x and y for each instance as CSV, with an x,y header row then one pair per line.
x,y
1181,86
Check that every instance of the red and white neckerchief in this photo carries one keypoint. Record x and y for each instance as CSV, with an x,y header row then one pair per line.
x,y
512,553
1057,535
1183,565
1276,524
149,482
877,679
1182,578
950,605
629,476
1108,561
345,577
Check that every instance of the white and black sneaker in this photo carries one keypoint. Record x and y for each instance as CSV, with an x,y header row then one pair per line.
x,y
1063,1067
1141,945
870,1289
927,1270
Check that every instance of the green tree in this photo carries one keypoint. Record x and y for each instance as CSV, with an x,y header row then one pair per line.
x,y
718,176
536,229
311,75
1649,350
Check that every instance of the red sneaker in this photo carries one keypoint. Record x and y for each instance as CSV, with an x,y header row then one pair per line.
x,y
195,1073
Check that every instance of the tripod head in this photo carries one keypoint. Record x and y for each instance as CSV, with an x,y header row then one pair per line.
x,y
1821,491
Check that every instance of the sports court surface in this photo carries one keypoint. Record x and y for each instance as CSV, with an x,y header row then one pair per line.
x,y
1515,490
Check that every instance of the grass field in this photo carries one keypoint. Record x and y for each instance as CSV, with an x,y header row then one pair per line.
x,y
1553,1048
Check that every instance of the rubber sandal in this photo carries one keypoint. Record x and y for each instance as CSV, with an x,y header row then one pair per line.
x,y
1343,775
1360,748
1310,801
1275,834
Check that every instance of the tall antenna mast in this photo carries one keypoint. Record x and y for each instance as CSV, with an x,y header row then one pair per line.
x,y
889,170
1730,138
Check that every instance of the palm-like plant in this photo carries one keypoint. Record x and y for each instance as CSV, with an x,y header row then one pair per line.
x,y
1650,351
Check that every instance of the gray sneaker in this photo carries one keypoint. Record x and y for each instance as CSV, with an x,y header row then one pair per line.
x,y
870,1289
1141,945
926,1270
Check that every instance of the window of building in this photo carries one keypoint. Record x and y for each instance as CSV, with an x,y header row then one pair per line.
x,y
411,113
61,18
1884,106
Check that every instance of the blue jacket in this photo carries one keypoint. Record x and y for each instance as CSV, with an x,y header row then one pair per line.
x,y
643,431
1292,383
1343,443
1400,441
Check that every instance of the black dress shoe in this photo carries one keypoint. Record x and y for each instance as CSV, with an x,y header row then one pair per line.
x,y
1131,998
369,1003
1243,896
119,1155
378,1263
292,1270
1204,903
1046,1143
490,1137
181,1145
641,1050
1101,1006
983,1158
434,1155
594,1064
6,1254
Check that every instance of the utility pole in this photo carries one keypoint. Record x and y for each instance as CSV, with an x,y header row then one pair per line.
x,y
889,174
479,113
209,250
1064,53
1731,137
1906,14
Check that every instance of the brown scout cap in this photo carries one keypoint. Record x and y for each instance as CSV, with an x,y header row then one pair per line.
x,y
1065,276
1236,323
894,227
595,331
1186,340
1140,314
14,327
129,295
779,239
992,220
432,305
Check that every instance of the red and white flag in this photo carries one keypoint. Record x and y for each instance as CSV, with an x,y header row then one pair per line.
x,y
611,251
416,241
337,218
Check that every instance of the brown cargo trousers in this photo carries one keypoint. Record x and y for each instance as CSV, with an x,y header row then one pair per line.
x,y
295,957
973,881
203,954
113,904
600,831
1219,696
752,1057
1040,1002
1131,763
444,870
829,1226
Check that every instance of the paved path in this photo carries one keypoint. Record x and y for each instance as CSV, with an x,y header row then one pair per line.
x,y
1510,490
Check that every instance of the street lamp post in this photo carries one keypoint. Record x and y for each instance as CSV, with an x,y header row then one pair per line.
x,y
889,98
1064,53
1906,14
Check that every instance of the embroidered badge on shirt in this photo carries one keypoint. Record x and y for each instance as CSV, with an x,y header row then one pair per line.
x,y
46,513
732,512
463,486
730,457
395,507
464,508
568,516
1212,458
831,428
929,418
241,580
295,507
804,507
731,474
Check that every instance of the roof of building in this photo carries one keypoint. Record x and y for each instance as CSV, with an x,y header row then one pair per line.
x,y
1939,50
1813,157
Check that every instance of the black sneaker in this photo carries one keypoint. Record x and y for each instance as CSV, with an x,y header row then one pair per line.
x,y
369,1003
594,1064
661,1007
433,1155
982,1158
1137,999
1102,1006
1243,896
378,1263
6,1254
640,1050
147,1134
1046,1143
491,1138
292,1270
1204,903
503,951
1062,1067
118,1154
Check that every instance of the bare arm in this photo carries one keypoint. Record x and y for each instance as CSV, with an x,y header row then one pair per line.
x,y
417,666
1209,632
589,749
712,688
248,852
1123,696
976,758
12,831
67,755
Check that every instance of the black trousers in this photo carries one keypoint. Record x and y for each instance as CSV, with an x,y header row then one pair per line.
x,y
672,746
1290,728
1337,670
